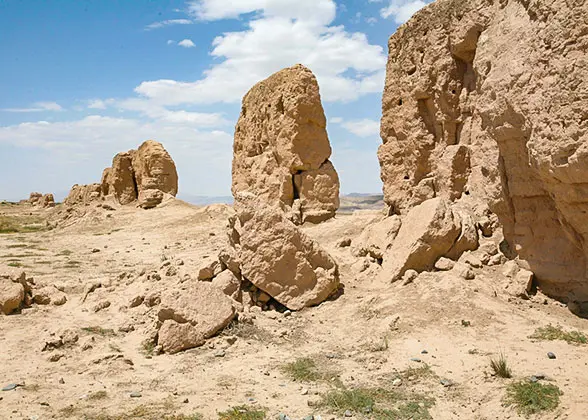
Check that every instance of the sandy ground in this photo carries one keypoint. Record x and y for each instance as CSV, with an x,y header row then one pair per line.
x,y
365,337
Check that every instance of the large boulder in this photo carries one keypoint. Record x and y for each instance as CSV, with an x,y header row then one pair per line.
x,y
191,314
281,148
488,98
377,238
15,290
279,258
428,232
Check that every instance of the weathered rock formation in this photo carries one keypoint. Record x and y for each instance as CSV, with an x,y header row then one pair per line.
x,y
41,200
15,290
188,317
278,258
490,99
281,148
144,176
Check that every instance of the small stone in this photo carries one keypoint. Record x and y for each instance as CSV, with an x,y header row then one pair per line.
x,y
186,401
444,264
533,379
10,387
348,413
287,313
95,250
304,392
397,382
344,243
540,376
220,353
136,395
424,352
551,355
231,339
409,277
283,416
446,382
55,357
416,359
309,418
61,381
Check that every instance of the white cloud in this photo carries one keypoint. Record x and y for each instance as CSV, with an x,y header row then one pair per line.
x,y
37,107
160,113
169,22
186,43
402,10
80,149
97,104
318,12
336,120
283,33
170,42
362,128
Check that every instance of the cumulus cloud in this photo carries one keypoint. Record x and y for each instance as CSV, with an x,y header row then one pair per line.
x,y
97,104
282,33
169,22
402,10
157,112
362,128
186,43
37,107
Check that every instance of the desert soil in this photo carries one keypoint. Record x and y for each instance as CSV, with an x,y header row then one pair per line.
x,y
366,337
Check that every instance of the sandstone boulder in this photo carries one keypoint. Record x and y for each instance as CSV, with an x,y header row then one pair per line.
x,y
427,233
281,148
229,284
488,99
280,259
47,201
15,290
190,315
377,237
49,295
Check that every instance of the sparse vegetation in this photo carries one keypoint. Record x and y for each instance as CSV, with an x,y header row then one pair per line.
x,y
14,264
532,397
381,345
419,373
98,395
557,333
65,252
97,330
247,331
148,347
306,369
242,413
20,224
500,367
380,403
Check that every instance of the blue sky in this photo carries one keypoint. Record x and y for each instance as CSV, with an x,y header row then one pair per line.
x,y
83,80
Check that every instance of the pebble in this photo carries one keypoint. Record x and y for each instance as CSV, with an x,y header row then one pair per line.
x,y
220,353
288,313
136,395
416,359
397,382
304,392
10,387
309,418
551,355
446,382
186,401
348,413
283,416
61,381
424,352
